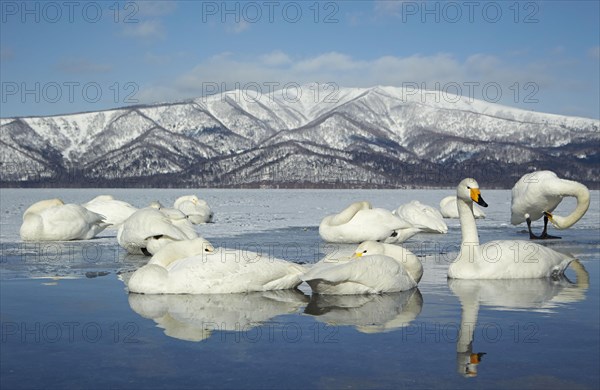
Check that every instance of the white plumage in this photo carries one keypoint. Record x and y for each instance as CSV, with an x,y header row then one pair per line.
x,y
197,210
505,259
374,268
361,222
422,216
449,208
147,230
537,194
52,220
192,267
115,212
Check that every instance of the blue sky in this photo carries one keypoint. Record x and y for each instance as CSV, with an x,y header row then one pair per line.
x,y
60,57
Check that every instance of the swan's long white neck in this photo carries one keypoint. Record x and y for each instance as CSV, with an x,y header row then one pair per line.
x,y
581,193
409,261
470,238
348,213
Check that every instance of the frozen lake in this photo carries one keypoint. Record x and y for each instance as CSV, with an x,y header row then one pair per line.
x,y
68,322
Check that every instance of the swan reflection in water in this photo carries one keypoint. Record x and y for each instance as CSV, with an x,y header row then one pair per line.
x,y
368,313
195,317
537,295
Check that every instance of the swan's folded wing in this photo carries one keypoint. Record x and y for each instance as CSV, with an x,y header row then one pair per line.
x,y
372,271
380,217
164,227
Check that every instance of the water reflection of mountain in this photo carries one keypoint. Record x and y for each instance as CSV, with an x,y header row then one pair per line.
x,y
196,317
532,295
372,313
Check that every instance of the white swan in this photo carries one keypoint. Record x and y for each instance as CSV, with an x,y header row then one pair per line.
x,y
178,218
372,313
506,259
540,295
192,267
449,208
115,212
52,220
197,210
374,268
537,194
197,317
422,216
361,222
146,231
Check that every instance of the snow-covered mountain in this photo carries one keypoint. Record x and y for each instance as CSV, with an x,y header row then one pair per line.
x,y
371,137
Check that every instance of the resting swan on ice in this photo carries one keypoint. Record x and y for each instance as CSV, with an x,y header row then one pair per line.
x,y
195,267
373,269
197,210
52,220
147,230
115,212
178,218
422,216
361,222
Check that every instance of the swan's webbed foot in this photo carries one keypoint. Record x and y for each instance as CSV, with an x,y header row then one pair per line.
x,y
531,235
545,235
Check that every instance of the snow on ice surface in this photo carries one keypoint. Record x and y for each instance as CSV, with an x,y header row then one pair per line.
x,y
293,216
301,341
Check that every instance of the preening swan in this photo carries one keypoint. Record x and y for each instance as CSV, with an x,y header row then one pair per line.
x,y
197,210
361,222
193,267
537,194
52,220
422,216
449,208
506,259
374,268
146,231
115,212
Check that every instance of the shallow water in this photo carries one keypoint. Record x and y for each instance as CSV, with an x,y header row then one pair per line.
x,y
68,322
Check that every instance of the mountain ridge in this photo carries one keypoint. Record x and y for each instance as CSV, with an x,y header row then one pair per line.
x,y
378,131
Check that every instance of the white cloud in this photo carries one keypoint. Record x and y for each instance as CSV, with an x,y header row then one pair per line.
x,y
346,71
148,29
275,58
387,7
238,27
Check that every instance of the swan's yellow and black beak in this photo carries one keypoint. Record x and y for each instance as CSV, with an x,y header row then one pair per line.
x,y
476,197
475,358
357,254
